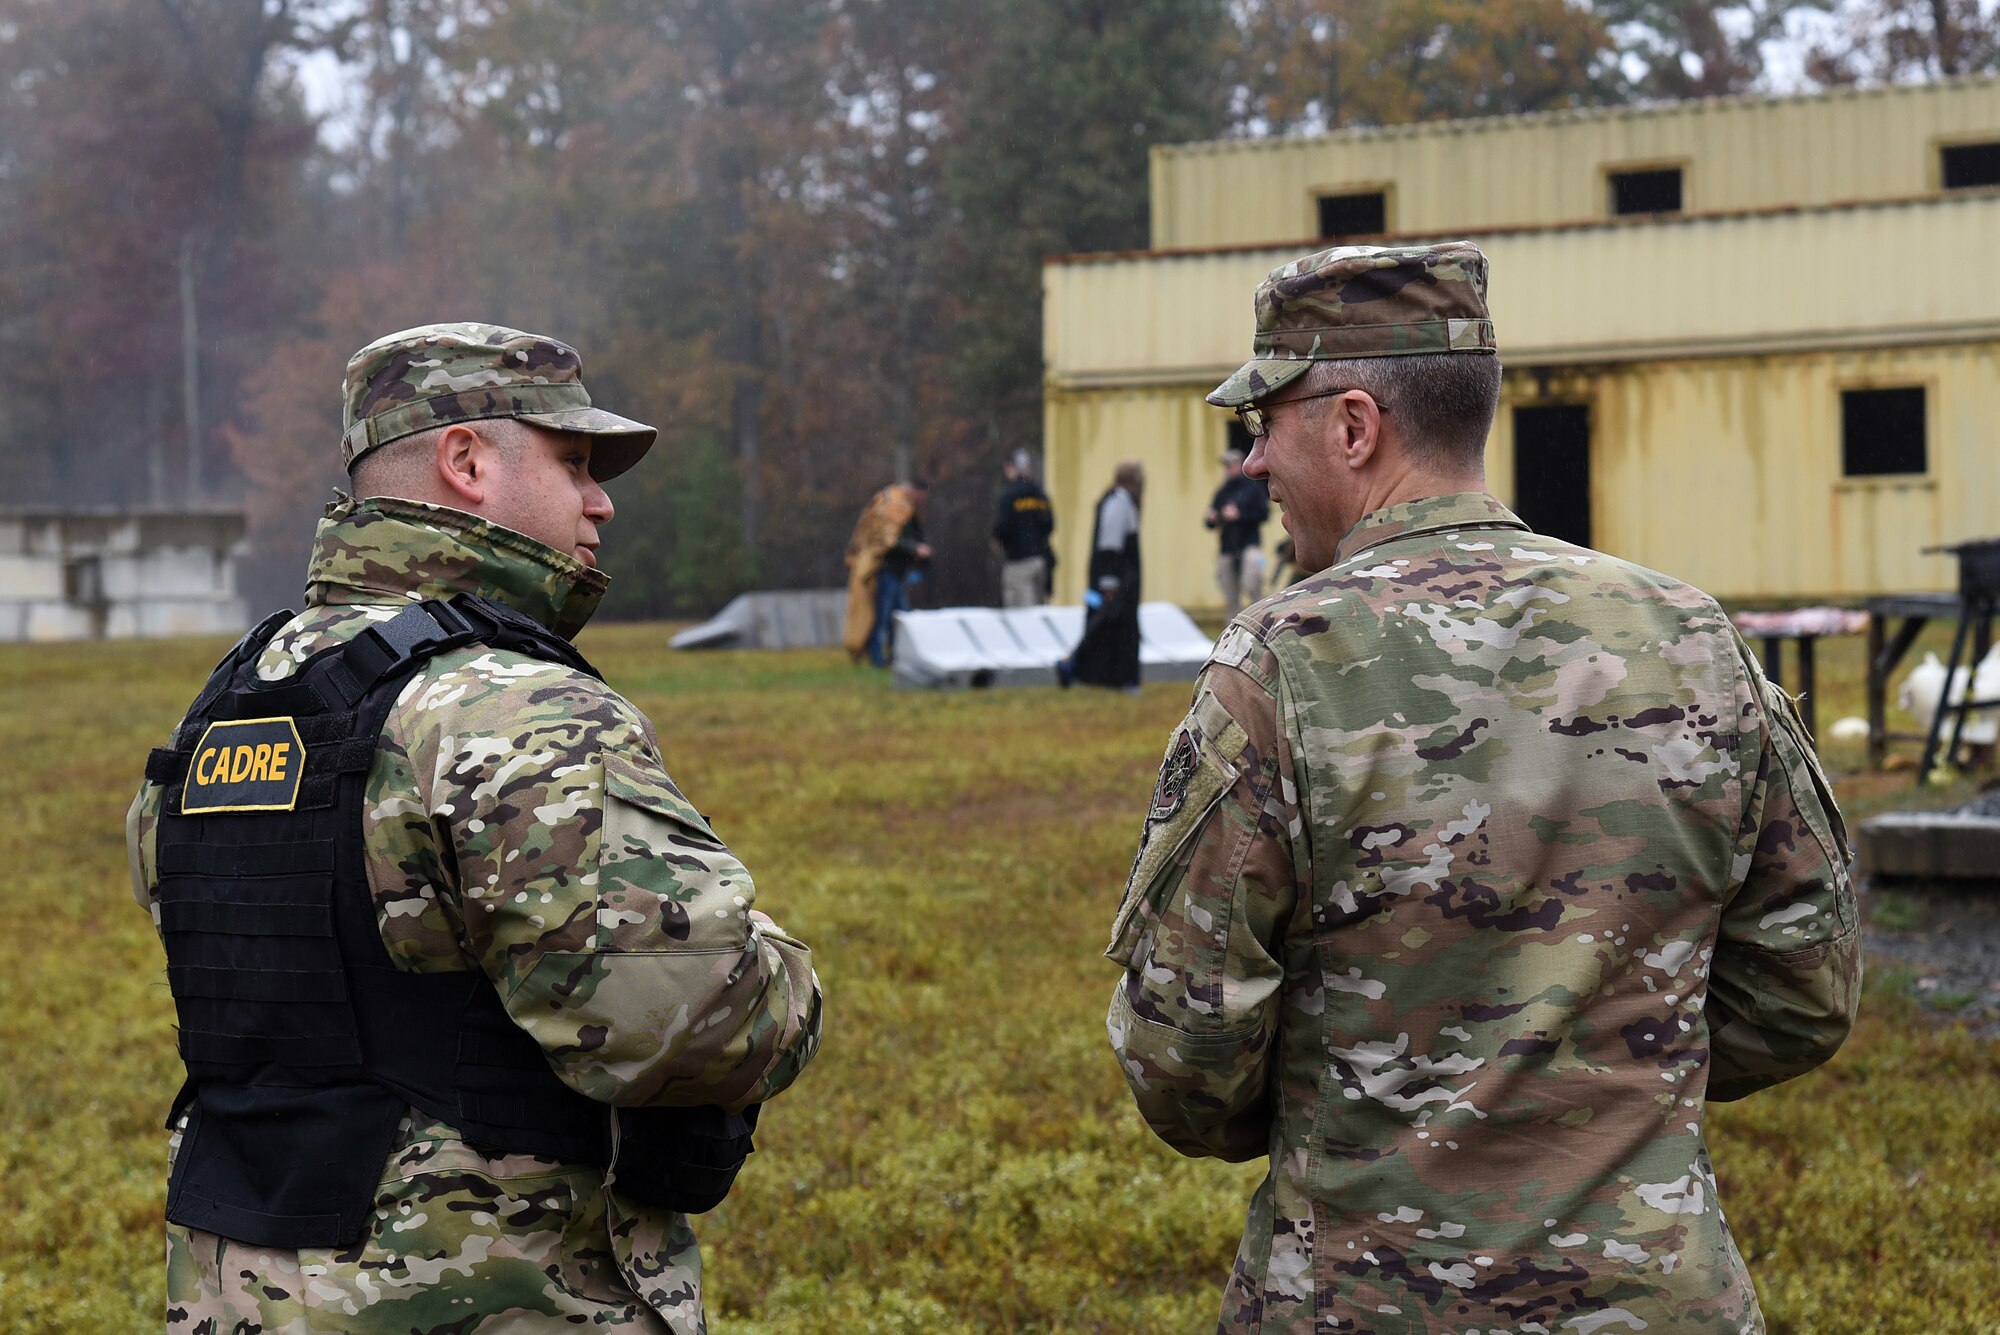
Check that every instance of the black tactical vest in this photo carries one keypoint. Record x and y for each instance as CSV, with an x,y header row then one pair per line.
x,y
303,1042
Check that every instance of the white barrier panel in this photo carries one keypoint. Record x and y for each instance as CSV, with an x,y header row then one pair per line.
x,y
771,619
955,647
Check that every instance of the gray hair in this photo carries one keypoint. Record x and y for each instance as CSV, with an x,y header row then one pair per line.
x,y
1442,403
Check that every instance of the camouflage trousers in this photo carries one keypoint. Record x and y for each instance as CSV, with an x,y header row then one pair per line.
x,y
458,1242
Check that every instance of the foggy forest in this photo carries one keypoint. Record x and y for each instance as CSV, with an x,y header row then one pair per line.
x,y
803,237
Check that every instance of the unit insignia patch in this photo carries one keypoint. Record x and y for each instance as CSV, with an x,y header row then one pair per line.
x,y
1174,776
251,764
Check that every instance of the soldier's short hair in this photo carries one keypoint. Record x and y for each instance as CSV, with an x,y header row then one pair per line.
x,y
402,467
1442,404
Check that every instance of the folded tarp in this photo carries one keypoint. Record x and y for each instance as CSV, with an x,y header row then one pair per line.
x,y
771,619
989,646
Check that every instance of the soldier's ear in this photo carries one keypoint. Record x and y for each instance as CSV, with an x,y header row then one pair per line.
x,y
463,463
1359,423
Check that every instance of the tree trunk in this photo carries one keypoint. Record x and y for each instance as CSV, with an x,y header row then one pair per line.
x,y
191,367
406,70
904,284
156,442
736,177
739,346
231,98
1944,36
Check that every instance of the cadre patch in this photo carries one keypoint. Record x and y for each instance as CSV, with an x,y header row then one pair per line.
x,y
251,764
1175,772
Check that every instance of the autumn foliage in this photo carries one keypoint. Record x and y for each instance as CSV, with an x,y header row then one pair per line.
x,y
802,236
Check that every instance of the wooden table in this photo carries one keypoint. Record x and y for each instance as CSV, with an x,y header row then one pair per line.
x,y
1803,627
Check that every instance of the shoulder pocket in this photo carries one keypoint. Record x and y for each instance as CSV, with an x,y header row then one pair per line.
x,y
650,790
1812,792
1193,778
665,882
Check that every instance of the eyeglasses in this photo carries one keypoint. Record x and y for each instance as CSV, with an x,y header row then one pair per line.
x,y
1257,420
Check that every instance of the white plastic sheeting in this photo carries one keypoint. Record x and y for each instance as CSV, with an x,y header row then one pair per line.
x,y
771,619
957,647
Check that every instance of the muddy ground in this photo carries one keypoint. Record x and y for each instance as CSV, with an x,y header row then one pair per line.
x,y
1942,940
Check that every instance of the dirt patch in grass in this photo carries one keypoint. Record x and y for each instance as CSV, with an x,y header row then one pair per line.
x,y
1939,943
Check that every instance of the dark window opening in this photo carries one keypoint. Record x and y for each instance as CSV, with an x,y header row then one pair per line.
x,y
1552,470
1968,166
1882,432
1657,191
1239,437
1364,214
83,580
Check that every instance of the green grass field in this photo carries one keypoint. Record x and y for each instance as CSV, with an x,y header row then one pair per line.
x,y
962,1156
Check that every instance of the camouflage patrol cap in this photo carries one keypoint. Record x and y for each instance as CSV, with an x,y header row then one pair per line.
x,y
436,374
1363,301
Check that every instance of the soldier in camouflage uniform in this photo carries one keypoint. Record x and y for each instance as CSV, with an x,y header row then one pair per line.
x,y
518,822
1481,864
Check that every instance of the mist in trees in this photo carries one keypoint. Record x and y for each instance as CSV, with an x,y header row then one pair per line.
x,y
804,237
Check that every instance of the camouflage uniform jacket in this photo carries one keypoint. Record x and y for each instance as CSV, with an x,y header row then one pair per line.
x,y
518,820
1480,864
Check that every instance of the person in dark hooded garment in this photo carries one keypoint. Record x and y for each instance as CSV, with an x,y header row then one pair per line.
x,y
1108,653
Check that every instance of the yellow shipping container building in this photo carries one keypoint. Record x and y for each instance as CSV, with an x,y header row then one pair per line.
x,y
1752,342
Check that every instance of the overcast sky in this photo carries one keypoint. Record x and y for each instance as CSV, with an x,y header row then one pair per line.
x,y
331,95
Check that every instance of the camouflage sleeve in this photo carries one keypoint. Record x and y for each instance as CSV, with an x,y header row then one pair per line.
x,y
519,814
142,826
1786,975
1194,1018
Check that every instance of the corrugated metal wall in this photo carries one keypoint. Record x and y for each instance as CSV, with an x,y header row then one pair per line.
x,y
1180,439
1473,175
1711,352
1867,275
1725,472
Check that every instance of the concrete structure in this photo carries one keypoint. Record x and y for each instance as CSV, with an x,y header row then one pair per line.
x,y
1961,844
956,647
95,574
1782,386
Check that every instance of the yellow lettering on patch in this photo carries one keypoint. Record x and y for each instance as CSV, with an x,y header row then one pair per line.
x,y
245,765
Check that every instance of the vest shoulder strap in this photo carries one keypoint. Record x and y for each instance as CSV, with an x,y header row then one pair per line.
x,y
423,630
165,763
382,651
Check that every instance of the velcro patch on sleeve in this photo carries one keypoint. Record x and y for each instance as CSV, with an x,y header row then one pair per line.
x,y
251,764
1233,648
1175,772
1200,767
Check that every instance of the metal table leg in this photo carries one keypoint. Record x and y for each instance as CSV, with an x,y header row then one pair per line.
x,y
1807,709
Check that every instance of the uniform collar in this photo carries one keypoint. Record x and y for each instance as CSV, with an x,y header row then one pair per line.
x,y
1430,514
384,548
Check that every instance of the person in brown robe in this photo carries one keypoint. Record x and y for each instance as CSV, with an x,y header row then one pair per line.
x,y
887,541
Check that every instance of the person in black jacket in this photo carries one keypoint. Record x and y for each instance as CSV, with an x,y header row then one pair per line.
x,y
1239,509
1021,526
1108,653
